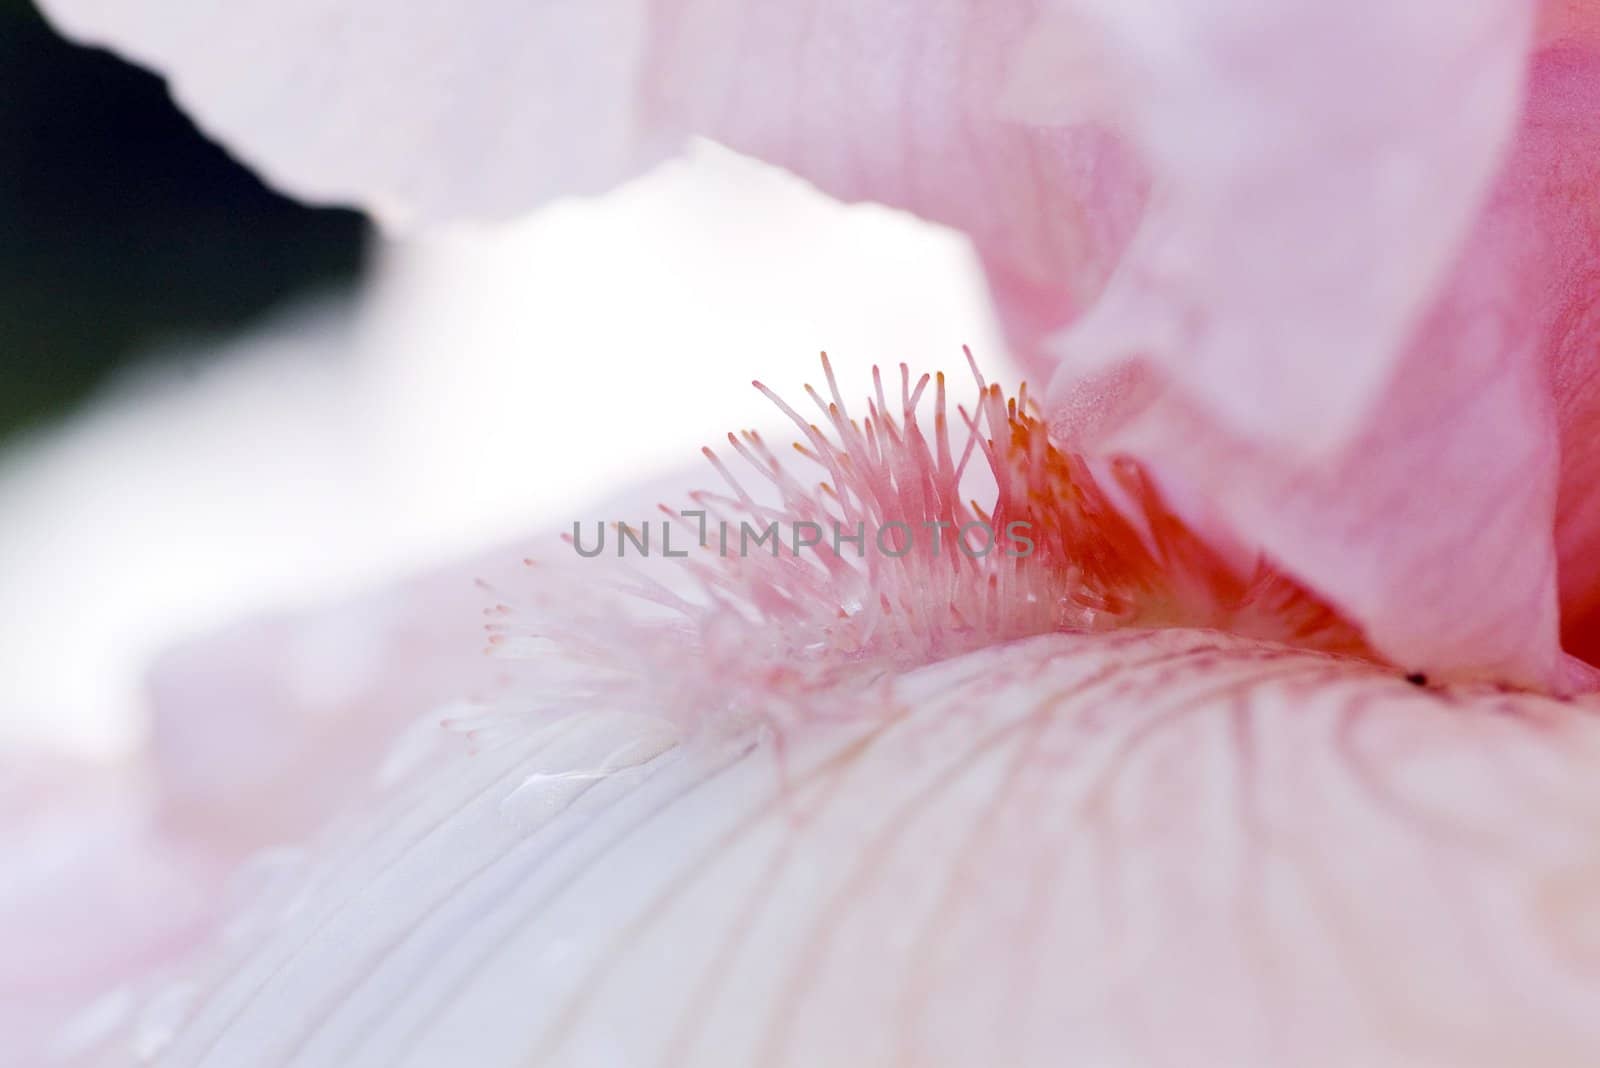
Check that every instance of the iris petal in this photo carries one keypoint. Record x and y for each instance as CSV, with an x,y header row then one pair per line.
x,y
1147,847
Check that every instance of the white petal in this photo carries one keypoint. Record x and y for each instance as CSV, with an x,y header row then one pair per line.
x,y
1168,848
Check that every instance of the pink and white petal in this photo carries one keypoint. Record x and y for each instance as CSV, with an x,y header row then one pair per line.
x,y
1315,170
1151,847
96,895
417,112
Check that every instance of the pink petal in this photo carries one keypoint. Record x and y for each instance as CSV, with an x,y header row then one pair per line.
x,y
1432,526
907,103
1314,174
1568,21
1552,181
1152,848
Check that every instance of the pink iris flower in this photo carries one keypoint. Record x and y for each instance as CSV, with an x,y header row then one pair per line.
x,y
1275,747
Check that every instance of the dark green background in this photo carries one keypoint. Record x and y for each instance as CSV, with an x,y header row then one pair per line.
x,y
121,227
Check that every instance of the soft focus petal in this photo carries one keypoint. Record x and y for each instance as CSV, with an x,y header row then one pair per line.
x,y
96,895
261,731
418,112
1151,848
259,737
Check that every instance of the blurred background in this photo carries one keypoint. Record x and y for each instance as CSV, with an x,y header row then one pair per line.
x,y
215,402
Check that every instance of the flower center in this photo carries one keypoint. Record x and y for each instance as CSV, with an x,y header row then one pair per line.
x,y
1062,545
871,549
